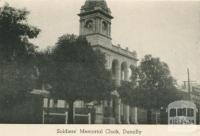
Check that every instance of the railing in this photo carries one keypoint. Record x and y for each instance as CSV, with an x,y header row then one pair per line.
x,y
125,52
53,117
82,118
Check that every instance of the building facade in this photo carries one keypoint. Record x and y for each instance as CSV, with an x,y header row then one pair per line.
x,y
96,25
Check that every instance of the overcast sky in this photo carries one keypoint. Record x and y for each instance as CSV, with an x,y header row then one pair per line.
x,y
169,30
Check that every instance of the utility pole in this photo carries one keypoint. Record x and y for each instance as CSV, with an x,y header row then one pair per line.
x,y
189,89
188,84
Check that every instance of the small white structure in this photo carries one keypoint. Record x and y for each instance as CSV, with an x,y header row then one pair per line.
x,y
182,112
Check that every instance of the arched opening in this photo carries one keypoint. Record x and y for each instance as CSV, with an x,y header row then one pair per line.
x,y
124,71
89,24
115,71
104,26
115,68
133,72
129,73
89,27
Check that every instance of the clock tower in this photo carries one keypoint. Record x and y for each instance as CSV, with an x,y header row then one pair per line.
x,y
95,23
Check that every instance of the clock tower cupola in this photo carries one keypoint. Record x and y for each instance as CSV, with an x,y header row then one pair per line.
x,y
95,22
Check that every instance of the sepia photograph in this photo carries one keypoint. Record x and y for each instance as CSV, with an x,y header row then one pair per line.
x,y
100,62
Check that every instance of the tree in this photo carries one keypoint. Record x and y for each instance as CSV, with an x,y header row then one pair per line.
x,y
14,34
78,72
157,86
17,73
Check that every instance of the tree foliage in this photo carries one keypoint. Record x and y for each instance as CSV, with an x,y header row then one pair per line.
x,y
152,85
77,72
14,33
156,83
17,73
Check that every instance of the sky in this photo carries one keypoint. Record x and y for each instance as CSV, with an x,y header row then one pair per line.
x,y
169,30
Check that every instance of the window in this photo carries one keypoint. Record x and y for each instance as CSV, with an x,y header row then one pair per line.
x,y
182,112
190,112
179,112
105,26
89,24
172,112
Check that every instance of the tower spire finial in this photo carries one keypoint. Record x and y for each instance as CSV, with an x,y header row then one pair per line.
x,y
94,5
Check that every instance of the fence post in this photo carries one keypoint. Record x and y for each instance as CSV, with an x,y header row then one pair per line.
x,y
119,110
89,118
66,117
43,116
74,113
136,115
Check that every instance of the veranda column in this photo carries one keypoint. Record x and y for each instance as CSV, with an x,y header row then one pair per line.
x,y
134,115
118,110
126,113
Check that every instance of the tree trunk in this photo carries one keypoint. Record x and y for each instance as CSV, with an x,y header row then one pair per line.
x,y
149,114
71,112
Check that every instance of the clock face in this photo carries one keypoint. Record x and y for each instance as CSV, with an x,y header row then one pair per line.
x,y
89,24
